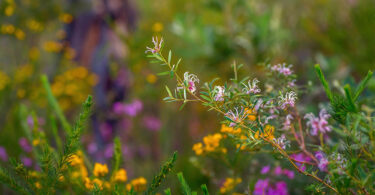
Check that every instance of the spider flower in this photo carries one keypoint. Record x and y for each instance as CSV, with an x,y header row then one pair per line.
x,y
157,45
236,115
190,80
318,124
219,93
323,161
288,99
282,69
251,87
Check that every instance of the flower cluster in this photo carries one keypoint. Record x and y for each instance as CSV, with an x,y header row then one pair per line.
x,y
229,184
211,143
318,124
282,69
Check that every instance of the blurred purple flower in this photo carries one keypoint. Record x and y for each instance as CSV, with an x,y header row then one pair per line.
x,y
301,158
287,124
152,123
24,144
28,162
131,109
106,131
92,148
282,69
288,173
280,189
318,123
265,169
30,121
323,161
261,187
3,154
278,171
108,152
118,108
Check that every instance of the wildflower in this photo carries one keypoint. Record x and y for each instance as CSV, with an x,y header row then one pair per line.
x,y
157,45
66,18
229,184
301,158
38,185
229,130
287,124
323,161
198,148
3,154
288,99
52,46
121,176
151,78
265,169
219,93
88,183
261,187
157,27
251,114
100,170
279,189
237,116
318,124
282,69
282,141
4,80
152,123
27,162
212,142
75,160
25,144
251,87
277,171
138,184
189,80
288,173
292,83
267,133
258,105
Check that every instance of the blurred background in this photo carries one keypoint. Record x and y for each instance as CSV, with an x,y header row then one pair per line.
x,y
98,47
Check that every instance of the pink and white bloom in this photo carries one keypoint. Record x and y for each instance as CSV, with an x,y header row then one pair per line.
x,y
251,87
157,45
288,122
236,116
190,80
219,93
323,161
318,123
282,142
283,69
288,99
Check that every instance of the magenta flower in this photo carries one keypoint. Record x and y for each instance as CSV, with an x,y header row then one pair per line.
x,y
3,154
288,99
190,80
279,189
265,169
323,161
251,87
152,123
277,171
27,162
157,45
25,144
318,124
288,173
261,187
282,69
133,108
118,108
302,158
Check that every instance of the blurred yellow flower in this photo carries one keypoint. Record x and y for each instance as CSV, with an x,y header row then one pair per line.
x,y
229,184
251,114
157,27
38,185
151,78
9,10
34,25
121,176
4,80
212,142
20,35
23,72
7,29
34,53
52,46
198,148
138,184
267,133
230,130
100,170
66,18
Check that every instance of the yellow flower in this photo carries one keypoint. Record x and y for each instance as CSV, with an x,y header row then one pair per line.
x,y
23,72
38,185
121,176
34,53
157,27
66,18
7,29
36,142
267,133
212,142
198,148
251,114
34,25
98,182
9,10
151,78
52,46
138,184
20,35
4,80
230,130
88,183
229,184
75,160
100,170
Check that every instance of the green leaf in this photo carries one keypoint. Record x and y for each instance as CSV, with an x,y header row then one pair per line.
x,y
348,94
168,191
206,98
169,91
204,189
362,85
322,79
182,106
169,57
163,73
185,187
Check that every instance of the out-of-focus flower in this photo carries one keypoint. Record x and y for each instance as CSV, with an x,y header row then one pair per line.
x,y
230,130
7,29
27,162
301,158
318,124
66,18
288,99
267,133
3,154
288,173
100,170
198,148
251,87
52,46
157,45
236,115
278,170
323,161
251,114
25,145
279,189
138,184
131,109
229,184
157,27
4,80
282,141
212,142
219,93
92,148
152,123
108,152
120,176
190,80
292,83
282,69
151,78
34,25
19,34
261,187
287,124
265,169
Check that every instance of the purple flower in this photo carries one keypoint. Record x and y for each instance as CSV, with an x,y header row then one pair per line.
x,y
108,152
288,99
301,158
92,148
236,116
282,141
280,189
133,108
152,123
251,87
277,171
219,93
282,69
288,173
265,169
318,123
3,154
287,124
261,187
106,131
24,144
323,161
28,162
157,45
118,108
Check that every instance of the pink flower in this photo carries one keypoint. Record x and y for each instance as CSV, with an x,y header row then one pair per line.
x,y
282,69
152,123
219,93
261,187
302,158
288,99
277,171
287,124
282,141
236,116
323,161
318,123
3,154
25,144
288,173
190,80
265,170
251,87
157,45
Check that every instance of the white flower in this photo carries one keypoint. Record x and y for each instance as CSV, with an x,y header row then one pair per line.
x,y
190,80
287,124
219,93
157,45
282,142
288,99
251,87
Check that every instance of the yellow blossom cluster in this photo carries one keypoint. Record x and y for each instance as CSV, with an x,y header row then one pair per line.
x,y
229,184
34,25
251,114
211,143
268,133
72,86
66,18
9,8
100,170
79,168
137,184
52,46
4,80
230,130
12,30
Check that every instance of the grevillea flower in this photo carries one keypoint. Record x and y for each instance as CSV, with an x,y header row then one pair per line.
x,y
261,187
190,80
323,161
157,45
288,99
251,87
287,124
236,115
282,69
282,142
318,123
219,93
292,83
301,158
